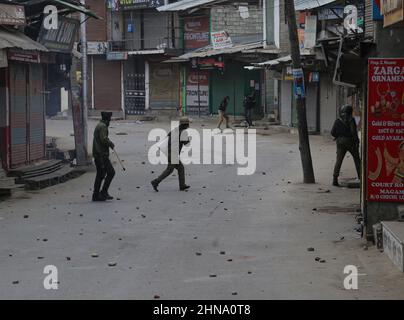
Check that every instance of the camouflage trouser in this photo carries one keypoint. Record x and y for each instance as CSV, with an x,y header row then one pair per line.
x,y
342,149
169,170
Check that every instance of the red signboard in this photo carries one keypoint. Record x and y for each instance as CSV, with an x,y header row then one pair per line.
x,y
385,166
24,56
196,32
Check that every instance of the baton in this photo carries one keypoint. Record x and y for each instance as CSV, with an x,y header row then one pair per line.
x,y
123,168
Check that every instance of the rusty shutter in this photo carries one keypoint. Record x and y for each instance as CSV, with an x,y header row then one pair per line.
x,y
36,114
107,84
18,114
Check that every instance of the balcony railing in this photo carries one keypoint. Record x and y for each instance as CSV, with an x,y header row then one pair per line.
x,y
145,44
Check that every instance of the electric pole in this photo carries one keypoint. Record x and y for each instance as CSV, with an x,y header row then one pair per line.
x,y
299,93
78,96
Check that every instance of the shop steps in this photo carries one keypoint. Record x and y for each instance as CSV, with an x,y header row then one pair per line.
x,y
393,242
38,169
44,174
61,175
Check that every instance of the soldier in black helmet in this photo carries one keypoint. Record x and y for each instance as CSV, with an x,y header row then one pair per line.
x,y
184,125
345,133
105,170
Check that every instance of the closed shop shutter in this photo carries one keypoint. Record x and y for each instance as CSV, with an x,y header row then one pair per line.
x,y
107,84
36,113
18,114
164,86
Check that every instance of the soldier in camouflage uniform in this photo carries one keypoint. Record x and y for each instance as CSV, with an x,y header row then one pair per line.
x,y
184,125
345,133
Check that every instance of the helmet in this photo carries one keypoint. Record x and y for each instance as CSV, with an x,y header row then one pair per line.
x,y
184,120
346,110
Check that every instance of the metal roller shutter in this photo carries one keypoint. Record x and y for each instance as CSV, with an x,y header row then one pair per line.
x,y
18,114
107,84
36,114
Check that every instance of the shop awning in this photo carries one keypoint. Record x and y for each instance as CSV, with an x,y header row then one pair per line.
x,y
14,39
208,51
191,4
311,4
280,60
187,4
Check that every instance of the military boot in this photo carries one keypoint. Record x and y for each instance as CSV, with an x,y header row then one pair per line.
x,y
335,182
98,198
105,194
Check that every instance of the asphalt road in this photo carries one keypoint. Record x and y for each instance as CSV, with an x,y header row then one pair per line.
x,y
229,237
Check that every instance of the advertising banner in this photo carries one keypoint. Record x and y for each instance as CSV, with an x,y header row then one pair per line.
x,y
196,32
164,85
12,15
134,4
385,155
192,88
376,12
62,38
221,40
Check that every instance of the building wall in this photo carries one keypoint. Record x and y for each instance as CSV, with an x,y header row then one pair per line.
x,y
97,29
283,30
156,29
228,18
328,103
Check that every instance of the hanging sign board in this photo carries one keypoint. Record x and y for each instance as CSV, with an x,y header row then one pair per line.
x,y
62,38
198,80
12,15
385,155
298,83
221,40
134,4
196,32
24,56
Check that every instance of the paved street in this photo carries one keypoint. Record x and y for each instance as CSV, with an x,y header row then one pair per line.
x,y
229,237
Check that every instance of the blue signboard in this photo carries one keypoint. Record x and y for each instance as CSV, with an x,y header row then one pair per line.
x,y
376,13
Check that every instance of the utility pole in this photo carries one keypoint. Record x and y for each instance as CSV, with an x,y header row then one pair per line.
x,y
78,96
299,92
84,74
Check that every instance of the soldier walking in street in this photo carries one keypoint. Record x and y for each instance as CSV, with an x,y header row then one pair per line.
x,y
105,170
249,103
345,133
222,112
184,125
